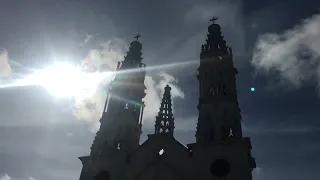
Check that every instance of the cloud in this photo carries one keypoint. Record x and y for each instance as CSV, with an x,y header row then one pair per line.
x,y
294,55
154,93
105,58
108,55
5,68
90,110
5,177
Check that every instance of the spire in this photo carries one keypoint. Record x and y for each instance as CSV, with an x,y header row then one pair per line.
x,y
165,120
134,55
215,43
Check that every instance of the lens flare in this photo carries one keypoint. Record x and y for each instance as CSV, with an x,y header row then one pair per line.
x,y
64,80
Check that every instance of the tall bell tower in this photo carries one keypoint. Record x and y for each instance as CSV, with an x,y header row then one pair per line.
x,y
220,149
219,113
121,121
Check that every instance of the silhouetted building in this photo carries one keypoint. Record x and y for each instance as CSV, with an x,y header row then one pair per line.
x,y
220,151
165,120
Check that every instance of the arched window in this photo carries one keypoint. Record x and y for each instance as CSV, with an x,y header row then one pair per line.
x,y
224,89
230,132
220,168
212,90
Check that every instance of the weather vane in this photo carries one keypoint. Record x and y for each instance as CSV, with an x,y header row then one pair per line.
x,y
137,36
213,19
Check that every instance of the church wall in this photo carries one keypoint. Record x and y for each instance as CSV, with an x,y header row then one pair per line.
x,y
174,156
236,153
113,163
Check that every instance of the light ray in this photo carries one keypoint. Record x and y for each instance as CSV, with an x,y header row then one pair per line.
x,y
65,80
157,67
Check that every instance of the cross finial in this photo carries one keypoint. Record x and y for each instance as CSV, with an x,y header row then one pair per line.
x,y
137,37
213,19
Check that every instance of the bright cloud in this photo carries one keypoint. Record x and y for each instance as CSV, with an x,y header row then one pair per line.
x,y
109,54
293,54
105,58
5,68
5,177
155,90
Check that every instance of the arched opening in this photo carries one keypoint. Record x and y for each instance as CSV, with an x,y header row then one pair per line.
x,y
230,132
220,168
102,175
224,88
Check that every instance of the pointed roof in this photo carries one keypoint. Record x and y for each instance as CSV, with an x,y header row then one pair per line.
x,y
165,120
133,59
215,44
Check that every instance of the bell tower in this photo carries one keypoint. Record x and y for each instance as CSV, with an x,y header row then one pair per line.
x,y
219,142
121,121
219,114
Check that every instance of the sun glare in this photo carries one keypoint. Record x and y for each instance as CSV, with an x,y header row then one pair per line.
x,y
65,80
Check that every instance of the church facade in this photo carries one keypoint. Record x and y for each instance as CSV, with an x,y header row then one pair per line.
x,y
220,151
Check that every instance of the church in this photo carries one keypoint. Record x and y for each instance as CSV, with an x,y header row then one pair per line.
x,y
220,151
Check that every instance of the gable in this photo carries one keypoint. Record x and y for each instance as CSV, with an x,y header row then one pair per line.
x,y
155,143
174,154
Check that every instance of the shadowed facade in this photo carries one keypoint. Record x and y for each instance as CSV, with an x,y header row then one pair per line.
x,y
220,150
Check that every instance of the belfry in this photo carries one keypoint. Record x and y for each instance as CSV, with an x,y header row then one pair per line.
x,y
220,151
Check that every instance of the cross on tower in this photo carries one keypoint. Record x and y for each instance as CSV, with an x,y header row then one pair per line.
x,y
213,19
137,37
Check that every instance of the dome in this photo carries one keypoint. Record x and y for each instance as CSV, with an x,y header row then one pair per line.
x,y
213,28
136,45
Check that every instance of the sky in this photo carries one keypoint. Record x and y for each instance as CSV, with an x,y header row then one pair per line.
x,y
276,46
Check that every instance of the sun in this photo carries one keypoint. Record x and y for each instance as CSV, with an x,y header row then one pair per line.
x,y
66,80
